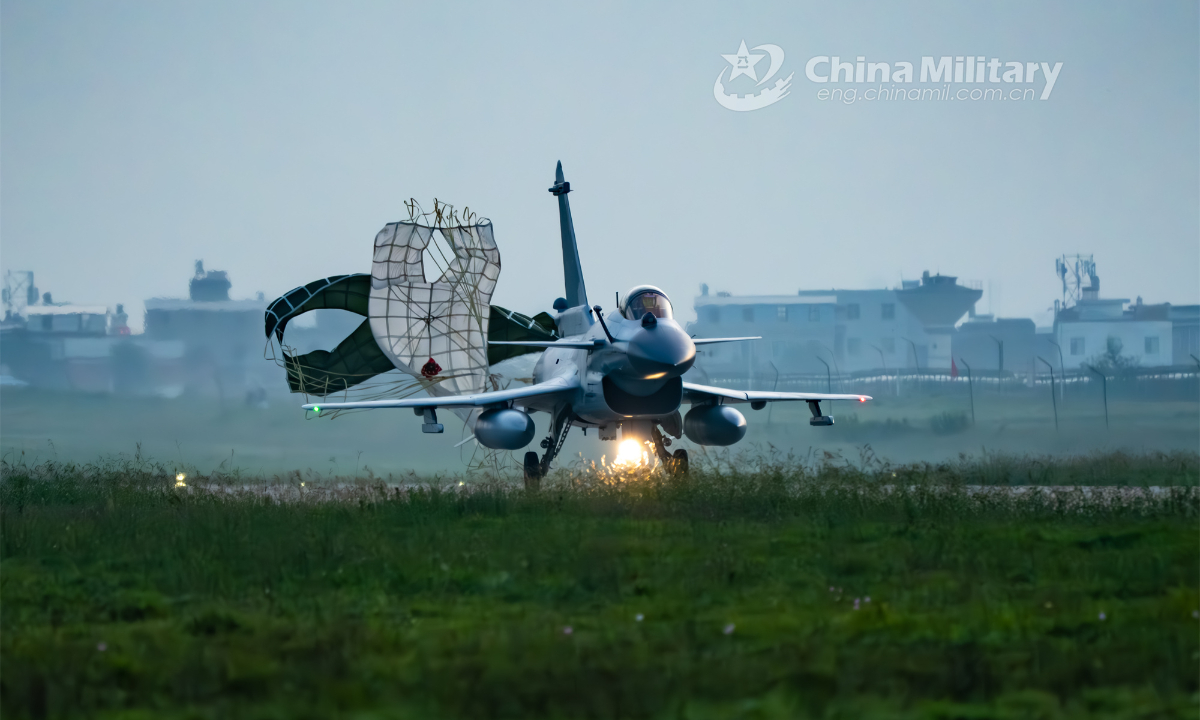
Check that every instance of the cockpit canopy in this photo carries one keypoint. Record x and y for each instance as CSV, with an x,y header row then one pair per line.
x,y
646,299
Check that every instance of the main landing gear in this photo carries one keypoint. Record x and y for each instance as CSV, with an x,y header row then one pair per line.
x,y
535,468
676,463
533,471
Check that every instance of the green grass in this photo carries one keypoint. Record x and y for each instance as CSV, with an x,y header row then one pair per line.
x,y
125,597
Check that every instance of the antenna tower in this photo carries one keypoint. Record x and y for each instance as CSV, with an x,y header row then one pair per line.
x,y
19,292
1079,279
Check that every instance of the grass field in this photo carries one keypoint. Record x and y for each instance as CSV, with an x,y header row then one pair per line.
x,y
786,591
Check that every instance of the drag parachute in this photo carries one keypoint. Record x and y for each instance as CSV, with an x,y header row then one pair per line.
x,y
434,332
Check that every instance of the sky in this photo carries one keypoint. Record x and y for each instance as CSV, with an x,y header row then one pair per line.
x,y
274,139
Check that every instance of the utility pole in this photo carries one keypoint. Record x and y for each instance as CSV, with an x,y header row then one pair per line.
x,y
916,357
1062,390
916,361
1053,399
881,360
1000,345
828,378
1104,380
774,386
833,357
970,389
750,375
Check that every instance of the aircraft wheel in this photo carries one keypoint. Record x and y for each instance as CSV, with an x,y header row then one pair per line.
x,y
533,471
679,462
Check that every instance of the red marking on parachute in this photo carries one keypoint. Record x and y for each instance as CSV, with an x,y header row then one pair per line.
x,y
430,369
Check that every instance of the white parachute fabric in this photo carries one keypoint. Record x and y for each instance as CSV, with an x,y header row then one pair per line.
x,y
435,331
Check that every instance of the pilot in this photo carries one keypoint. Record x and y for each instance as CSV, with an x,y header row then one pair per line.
x,y
646,299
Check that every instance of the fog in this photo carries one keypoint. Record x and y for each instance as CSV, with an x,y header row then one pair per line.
x,y
273,140
933,425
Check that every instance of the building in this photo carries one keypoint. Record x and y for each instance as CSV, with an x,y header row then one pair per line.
x,y
1142,335
988,344
206,343
222,340
54,345
206,340
62,320
851,330
938,302
1185,334
209,323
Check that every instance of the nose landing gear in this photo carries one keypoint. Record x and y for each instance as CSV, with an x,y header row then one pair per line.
x,y
676,463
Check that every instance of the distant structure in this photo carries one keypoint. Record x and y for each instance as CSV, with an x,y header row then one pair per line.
x,y
212,327
853,330
921,326
999,345
67,319
19,292
1141,335
206,343
220,338
1079,279
54,344
939,302
1185,334
1090,330
118,322
211,286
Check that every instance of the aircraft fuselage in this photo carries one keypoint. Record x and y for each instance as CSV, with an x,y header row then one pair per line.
x,y
639,376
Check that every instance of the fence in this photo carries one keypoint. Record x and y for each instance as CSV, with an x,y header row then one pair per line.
x,y
1165,383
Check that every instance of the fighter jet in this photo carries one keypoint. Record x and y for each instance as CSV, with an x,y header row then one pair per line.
x,y
620,372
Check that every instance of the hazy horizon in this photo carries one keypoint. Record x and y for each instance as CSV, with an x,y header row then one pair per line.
x,y
273,140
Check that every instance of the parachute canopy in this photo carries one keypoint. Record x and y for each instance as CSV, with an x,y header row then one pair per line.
x,y
340,292
434,331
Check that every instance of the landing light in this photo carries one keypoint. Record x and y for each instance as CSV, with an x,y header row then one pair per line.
x,y
631,454
179,480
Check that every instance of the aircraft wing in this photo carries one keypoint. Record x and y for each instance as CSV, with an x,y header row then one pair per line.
x,y
580,344
559,384
701,393
710,341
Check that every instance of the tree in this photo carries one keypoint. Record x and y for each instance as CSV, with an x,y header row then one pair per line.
x,y
1111,361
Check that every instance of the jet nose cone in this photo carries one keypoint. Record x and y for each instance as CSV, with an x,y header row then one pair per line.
x,y
661,351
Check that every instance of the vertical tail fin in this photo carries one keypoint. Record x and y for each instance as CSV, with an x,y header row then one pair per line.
x,y
576,295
